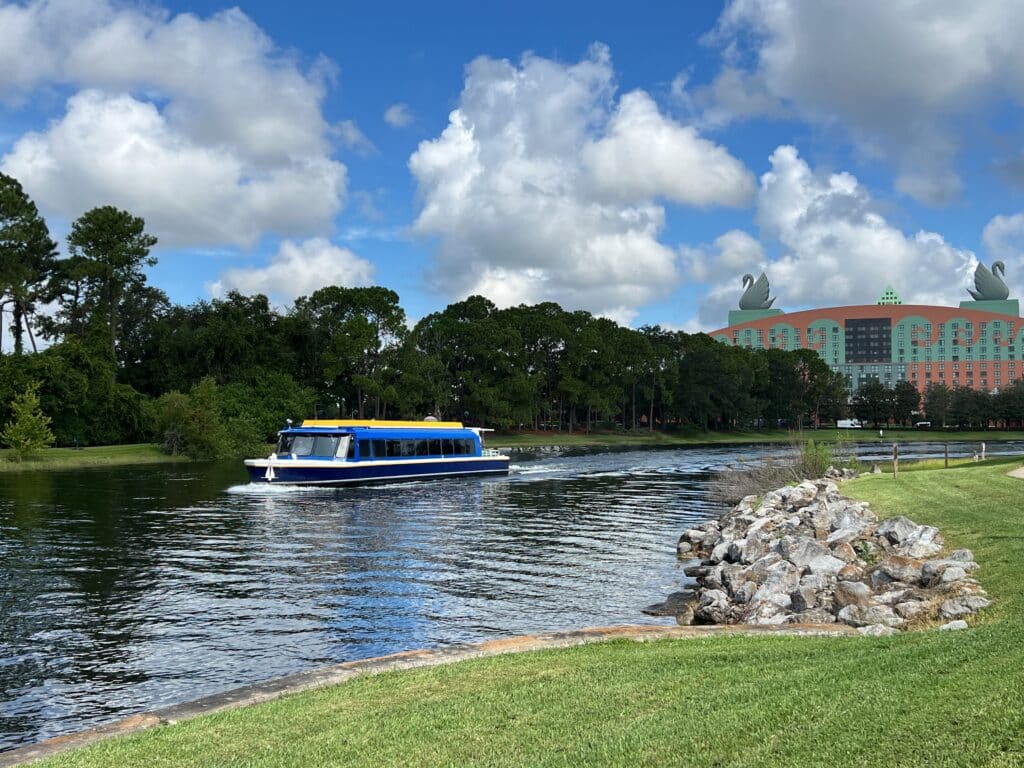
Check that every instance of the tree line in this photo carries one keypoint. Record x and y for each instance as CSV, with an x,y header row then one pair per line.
x,y
122,363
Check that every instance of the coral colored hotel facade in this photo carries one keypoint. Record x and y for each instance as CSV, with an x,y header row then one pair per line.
x,y
979,345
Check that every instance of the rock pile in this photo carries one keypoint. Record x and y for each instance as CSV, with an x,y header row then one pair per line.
x,y
807,554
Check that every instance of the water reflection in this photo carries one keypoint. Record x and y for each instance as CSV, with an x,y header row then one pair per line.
x,y
128,589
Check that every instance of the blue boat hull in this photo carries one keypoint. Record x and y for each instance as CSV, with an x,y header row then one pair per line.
x,y
331,473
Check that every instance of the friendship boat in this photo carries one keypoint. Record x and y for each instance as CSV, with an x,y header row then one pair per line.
x,y
330,453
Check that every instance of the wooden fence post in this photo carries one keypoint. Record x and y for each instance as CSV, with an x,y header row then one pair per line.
x,y
895,460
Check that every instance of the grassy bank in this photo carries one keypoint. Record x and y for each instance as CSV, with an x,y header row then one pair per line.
x,y
930,698
97,456
700,437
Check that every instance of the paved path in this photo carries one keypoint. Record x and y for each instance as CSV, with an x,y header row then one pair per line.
x,y
1019,472
338,673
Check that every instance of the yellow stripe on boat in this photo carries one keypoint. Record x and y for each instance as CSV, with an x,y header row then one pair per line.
x,y
382,424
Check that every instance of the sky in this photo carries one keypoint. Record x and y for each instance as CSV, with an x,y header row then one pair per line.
x,y
632,161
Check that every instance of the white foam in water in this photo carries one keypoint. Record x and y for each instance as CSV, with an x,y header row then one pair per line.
x,y
269,489
528,470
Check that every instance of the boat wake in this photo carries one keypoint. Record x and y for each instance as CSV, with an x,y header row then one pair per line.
x,y
270,489
520,469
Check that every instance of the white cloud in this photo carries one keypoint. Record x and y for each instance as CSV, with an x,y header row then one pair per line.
x,y
353,138
398,115
836,248
117,150
733,253
645,154
539,188
896,73
159,94
1004,240
297,269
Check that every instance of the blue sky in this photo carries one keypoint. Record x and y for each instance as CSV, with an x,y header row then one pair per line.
x,y
634,162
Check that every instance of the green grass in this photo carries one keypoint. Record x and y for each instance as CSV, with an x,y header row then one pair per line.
x,y
926,698
98,456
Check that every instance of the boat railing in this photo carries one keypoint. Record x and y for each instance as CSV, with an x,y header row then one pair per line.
x,y
490,452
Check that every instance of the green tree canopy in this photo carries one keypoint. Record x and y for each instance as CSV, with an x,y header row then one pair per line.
x,y
108,250
26,258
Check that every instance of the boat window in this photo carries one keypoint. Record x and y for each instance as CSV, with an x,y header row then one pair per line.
x,y
365,449
346,446
351,452
421,447
408,447
380,449
284,445
435,447
394,448
324,445
302,445
448,447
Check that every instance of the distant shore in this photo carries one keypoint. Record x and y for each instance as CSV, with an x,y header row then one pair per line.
x,y
93,456
150,453
642,438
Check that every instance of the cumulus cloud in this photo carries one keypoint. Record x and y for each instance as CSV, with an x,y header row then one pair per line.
x,y
544,186
1004,240
398,115
156,95
836,248
644,154
297,269
897,74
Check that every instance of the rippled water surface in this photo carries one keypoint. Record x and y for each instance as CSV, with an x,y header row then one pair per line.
x,y
132,588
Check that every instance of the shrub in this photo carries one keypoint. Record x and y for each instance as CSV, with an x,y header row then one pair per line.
x,y
28,431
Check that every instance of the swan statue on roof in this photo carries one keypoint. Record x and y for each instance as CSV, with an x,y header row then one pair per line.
x,y
988,284
756,295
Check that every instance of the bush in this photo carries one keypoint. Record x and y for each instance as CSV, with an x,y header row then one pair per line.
x,y
804,461
195,425
28,431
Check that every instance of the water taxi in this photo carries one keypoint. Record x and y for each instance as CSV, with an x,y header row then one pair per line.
x,y
355,452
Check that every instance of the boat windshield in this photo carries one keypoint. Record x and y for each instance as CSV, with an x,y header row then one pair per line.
x,y
308,445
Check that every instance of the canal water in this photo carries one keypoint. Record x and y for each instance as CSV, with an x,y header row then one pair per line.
x,y
126,589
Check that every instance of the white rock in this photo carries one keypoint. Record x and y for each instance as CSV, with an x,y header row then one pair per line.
x,y
720,552
861,616
953,626
897,529
801,550
923,541
963,606
826,564
953,574
876,630
910,609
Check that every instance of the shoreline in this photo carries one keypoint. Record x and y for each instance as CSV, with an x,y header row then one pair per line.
x,y
51,459
338,674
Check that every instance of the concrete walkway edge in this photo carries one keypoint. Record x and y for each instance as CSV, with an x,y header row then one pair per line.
x,y
338,673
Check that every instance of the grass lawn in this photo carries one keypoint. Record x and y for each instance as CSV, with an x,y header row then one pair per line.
x,y
927,698
98,456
